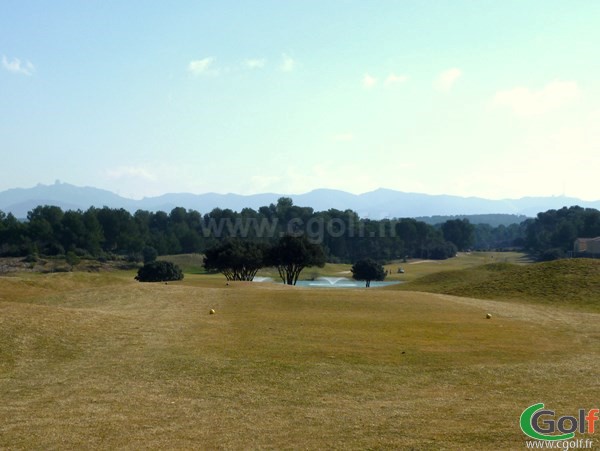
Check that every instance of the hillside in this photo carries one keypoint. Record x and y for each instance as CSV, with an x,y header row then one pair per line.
x,y
493,220
574,282
381,203
100,361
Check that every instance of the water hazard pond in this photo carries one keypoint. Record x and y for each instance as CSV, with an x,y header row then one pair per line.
x,y
329,282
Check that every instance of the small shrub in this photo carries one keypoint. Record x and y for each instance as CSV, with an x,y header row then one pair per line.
x,y
551,254
31,258
126,266
61,268
54,249
159,271
314,275
72,258
133,257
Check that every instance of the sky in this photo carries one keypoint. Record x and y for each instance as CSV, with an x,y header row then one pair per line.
x,y
493,99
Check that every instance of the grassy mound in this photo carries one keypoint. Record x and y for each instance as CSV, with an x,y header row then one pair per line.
x,y
99,361
189,263
575,282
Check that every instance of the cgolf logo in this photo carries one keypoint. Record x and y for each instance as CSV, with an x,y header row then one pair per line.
x,y
540,423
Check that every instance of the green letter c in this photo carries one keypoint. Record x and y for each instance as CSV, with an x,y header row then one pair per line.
x,y
527,428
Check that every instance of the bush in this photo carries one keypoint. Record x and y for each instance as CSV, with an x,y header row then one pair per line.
x,y
159,271
551,254
133,257
31,258
441,250
54,249
72,258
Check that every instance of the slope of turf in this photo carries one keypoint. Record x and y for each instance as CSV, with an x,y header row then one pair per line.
x,y
574,282
100,361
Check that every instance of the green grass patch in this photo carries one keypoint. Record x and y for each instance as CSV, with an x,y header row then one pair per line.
x,y
100,361
573,282
189,263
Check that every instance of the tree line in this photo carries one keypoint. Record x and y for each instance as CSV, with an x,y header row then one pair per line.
x,y
551,234
343,235
105,232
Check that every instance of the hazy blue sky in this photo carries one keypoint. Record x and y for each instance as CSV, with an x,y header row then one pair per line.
x,y
475,98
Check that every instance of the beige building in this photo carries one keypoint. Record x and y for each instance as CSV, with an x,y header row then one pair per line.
x,y
587,246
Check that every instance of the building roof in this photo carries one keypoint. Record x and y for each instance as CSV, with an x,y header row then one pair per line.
x,y
588,239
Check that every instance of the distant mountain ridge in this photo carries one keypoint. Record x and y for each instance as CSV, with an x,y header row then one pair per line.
x,y
378,204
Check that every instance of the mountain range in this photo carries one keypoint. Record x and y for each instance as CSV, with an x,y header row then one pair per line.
x,y
378,204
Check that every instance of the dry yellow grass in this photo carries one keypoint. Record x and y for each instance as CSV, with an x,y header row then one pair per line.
x,y
101,361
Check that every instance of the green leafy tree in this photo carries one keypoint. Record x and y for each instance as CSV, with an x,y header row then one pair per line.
x,y
460,232
45,229
94,236
236,259
292,254
14,239
438,249
367,269
73,232
149,254
159,271
552,233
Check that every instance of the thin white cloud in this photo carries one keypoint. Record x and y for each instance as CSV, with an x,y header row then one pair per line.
x,y
16,66
393,79
446,79
129,172
255,63
525,102
201,67
369,81
288,63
